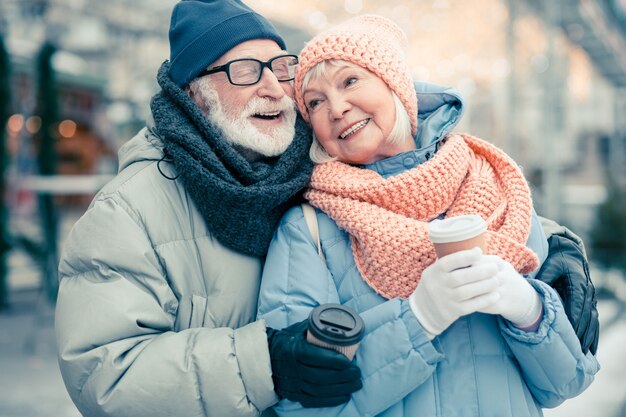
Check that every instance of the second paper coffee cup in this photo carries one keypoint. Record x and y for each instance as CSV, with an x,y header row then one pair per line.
x,y
336,327
457,233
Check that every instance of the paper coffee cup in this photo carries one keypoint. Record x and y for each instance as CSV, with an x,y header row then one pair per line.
x,y
457,233
337,327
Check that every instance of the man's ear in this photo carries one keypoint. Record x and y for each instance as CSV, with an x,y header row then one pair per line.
x,y
193,92
189,91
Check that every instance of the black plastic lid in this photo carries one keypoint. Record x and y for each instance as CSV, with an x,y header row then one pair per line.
x,y
336,324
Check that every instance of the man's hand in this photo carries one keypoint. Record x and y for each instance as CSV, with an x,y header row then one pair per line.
x,y
309,374
454,286
519,303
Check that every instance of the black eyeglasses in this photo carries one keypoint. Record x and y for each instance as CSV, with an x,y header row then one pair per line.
x,y
248,71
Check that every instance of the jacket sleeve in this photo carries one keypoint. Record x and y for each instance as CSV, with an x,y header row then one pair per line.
x,y
395,355
119,353
567,271
551,359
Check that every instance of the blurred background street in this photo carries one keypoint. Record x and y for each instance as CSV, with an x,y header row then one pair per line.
x,y
544,80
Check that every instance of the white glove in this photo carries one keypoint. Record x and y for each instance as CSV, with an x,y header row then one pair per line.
x,y
453,286
518,301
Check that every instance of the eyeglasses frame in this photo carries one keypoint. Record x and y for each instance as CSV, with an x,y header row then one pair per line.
x,y
264,64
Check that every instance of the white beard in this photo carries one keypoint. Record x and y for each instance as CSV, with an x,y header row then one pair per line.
x,y
237,128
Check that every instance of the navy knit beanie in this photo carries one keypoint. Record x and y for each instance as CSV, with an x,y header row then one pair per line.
x,y
201,31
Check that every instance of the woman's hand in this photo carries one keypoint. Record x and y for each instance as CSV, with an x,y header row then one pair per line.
x,y
455,285
518,302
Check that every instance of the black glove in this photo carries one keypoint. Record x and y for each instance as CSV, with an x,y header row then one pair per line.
x,y
567,271
309,374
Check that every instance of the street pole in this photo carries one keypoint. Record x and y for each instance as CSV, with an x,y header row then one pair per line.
x,y
552,117
5,105
617,145
47,109
511,114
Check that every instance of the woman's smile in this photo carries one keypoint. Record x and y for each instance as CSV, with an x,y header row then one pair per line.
x,y
352,130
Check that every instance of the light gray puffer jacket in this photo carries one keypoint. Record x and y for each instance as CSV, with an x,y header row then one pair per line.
x,y
154,316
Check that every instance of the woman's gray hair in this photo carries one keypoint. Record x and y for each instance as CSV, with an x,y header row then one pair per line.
x,y
400,133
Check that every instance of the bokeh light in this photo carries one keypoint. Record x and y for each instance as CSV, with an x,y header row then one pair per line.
x,y
15,123
33,124
67,128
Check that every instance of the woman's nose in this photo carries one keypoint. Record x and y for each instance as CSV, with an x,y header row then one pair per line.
x,y
338,107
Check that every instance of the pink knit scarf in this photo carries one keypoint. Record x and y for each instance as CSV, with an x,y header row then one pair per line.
x,y
387,218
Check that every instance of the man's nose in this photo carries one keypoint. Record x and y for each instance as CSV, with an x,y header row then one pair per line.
x,y
269,86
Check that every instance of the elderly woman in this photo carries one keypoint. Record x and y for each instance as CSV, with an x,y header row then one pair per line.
x,y
469,334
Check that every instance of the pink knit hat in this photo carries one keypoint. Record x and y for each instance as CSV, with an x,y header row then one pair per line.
x,y
369,41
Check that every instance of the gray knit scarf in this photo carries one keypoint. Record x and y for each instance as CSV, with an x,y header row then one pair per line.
x,y
240,201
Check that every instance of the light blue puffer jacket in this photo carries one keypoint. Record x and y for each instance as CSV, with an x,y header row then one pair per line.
x,y
480,366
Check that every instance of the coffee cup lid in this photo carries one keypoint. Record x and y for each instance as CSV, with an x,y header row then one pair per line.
x,y
336,324
455,229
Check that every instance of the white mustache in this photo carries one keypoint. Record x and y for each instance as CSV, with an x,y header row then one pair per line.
x,y
264,105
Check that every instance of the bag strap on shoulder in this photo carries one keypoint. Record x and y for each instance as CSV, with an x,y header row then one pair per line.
x,y
311,221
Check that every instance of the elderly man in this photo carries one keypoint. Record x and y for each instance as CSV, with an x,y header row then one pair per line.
x,y
159,279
